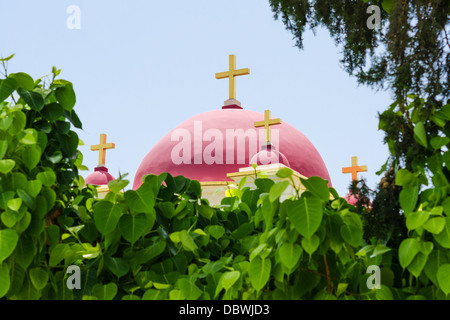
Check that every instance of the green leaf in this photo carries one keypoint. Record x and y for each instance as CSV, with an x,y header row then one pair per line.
x,y
23,80
317,186
215,231
58,254
8,58
14,204
438,142
31,155
290,253
5,123
105,292
141,200
284,173
443,278
7,87
167,208
379,250
387,5
435,260
52,111
6,165
305,215
384,293
408,198
118,266
33,99
244,230
66,96
310,245
3,148
259,272
106,216
405,178
47,178
5,281
230,278
187,241
420,134
8,242
153,294
277,190
25,251
39,278
145,255
132,227
416,219
19,122
443,238
417,265
351,233
407,251
189,290
205,211
435,225
117,185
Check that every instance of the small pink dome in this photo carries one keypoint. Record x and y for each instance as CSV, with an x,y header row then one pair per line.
x,y
269,155
99,177
351,199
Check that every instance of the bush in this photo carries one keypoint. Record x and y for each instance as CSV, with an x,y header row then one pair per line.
x,y
163,241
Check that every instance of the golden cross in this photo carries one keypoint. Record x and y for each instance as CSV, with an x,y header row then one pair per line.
x,y
231,74
267,122
354,169
102,147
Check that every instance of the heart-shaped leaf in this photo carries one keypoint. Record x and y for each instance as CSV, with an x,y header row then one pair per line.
x,y
6,165
290,253
259,272
311,244
132,227
33,99
5,281
105,292
230,278
106,216
8,242
305,215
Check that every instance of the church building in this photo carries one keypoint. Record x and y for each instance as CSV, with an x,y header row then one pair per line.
x,y
219,147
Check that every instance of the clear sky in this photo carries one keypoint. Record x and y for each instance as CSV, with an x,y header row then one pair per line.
x,y
140,68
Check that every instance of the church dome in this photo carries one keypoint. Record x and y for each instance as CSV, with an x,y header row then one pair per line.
x,y
269,155
99,177
212,144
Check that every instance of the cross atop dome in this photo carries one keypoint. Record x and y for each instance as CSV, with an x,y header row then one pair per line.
x,y
354,169
101,148
266,123
231,74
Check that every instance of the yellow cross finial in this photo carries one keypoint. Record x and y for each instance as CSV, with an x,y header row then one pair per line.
x,y
102,147
231,74
354,169
267,122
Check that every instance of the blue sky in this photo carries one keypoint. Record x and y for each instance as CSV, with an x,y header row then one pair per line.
x,y
140,68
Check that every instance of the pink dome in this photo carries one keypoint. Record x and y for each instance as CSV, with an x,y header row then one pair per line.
x,y
351,199
212,144
269,155
99,177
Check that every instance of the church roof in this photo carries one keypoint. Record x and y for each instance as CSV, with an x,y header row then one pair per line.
x,y
209,145
99,177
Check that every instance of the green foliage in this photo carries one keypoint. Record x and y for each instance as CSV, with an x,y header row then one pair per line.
x,y
409,52
39,164
164,241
